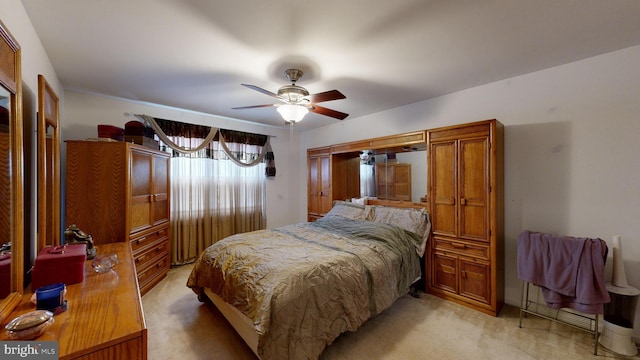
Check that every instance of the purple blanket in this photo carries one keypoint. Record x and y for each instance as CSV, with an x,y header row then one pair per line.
x,y
569,270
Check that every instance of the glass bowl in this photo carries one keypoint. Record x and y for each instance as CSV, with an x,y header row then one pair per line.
x,y
104,262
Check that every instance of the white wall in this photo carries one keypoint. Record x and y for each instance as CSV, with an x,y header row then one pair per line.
x,y
84,112
571,150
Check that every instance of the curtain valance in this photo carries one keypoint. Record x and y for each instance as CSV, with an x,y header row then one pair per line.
x,y
166,129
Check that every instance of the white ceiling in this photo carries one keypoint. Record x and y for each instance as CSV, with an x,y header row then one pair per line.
x,y
194,54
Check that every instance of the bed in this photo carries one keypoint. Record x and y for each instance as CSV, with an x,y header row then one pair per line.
x,y
291,291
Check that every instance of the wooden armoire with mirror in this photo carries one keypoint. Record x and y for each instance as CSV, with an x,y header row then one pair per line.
x,y
119,192
464,197
465,255
333,171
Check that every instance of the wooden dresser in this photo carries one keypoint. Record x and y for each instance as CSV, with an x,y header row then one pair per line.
x,y
119,192
465,255
104,319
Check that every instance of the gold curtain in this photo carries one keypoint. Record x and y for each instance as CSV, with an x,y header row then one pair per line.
x,y
212,197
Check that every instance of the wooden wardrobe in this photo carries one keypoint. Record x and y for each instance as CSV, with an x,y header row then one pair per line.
x,y
465,255
319,199
119,192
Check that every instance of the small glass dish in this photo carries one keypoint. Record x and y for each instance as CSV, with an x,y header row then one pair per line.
x,y
104,263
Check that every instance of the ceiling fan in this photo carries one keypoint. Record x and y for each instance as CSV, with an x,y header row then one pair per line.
x,y
296,101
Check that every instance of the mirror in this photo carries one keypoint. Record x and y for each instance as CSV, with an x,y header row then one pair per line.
x,y
391,167
11,170
48,165
391,175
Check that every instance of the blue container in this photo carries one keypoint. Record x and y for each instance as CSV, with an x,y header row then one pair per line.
x,y
49,297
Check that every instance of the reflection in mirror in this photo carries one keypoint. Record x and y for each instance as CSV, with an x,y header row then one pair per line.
x,y
5,195
48,165
387,174
11,168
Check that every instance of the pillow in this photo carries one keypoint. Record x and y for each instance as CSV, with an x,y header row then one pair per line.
x,y
347,209
416,221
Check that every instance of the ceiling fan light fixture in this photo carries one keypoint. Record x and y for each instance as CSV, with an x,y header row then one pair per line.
x,y
296,101
292,113
293,94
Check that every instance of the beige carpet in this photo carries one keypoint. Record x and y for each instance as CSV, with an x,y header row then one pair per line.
x,y
180,327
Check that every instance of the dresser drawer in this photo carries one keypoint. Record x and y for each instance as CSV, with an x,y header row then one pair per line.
x,y
461,248
152,274
146,239
150,255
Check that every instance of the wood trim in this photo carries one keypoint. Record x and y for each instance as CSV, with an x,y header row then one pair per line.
x,y
48,165
397,204
326,150
11,79
417,139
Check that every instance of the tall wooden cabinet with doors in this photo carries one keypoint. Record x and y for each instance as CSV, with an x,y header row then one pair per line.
x,y
119,192
465,257
319,183
334,171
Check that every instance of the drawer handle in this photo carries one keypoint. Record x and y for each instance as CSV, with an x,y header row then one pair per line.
x,y
140,240
459,246
141,258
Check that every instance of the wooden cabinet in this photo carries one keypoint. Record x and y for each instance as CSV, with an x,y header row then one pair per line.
x,y
319,200
104,319
465,255
119,192
393,181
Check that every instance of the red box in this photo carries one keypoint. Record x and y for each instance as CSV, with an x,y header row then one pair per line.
x,y
59,264
111,132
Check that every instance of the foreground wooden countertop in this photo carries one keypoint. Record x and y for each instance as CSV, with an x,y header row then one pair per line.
x,y
104,319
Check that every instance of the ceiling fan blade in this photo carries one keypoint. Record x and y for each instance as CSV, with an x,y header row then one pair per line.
x,y
326,96
259,89
252,106
328,112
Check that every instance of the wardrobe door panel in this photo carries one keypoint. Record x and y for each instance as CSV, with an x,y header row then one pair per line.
x,y
140,190
160,189
445,270
443,187
473,192
474,280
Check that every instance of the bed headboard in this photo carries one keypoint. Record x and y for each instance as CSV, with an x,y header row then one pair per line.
x,y
396,203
